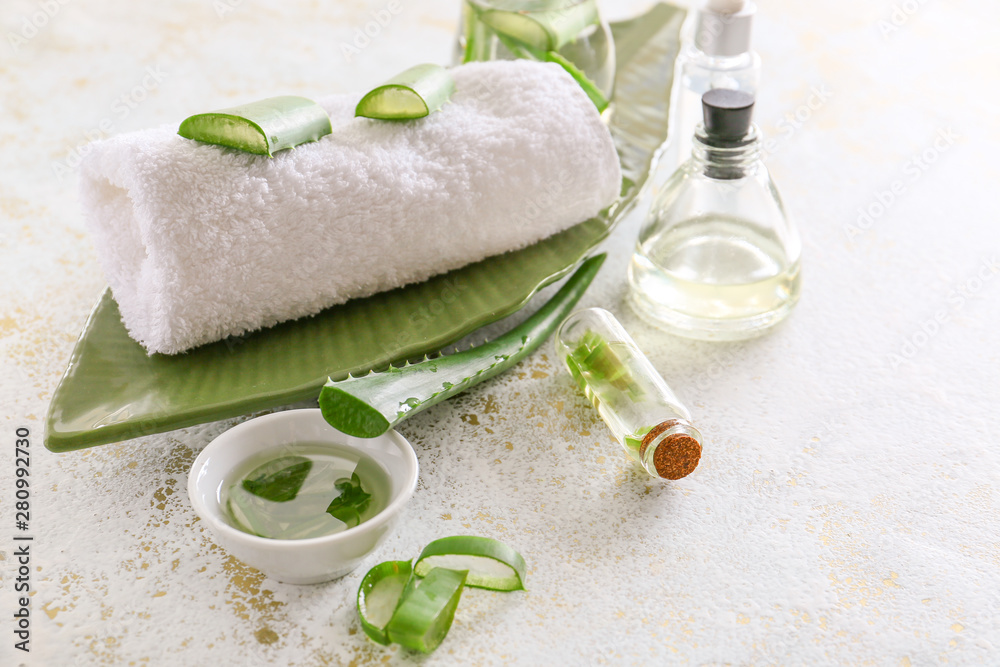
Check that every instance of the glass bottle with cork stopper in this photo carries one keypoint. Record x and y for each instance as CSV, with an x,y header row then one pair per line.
x,y
632,398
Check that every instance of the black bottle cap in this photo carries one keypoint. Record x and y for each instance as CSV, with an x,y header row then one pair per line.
x,y
727,113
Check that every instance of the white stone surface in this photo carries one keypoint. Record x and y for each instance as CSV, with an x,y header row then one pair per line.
x,y
846,509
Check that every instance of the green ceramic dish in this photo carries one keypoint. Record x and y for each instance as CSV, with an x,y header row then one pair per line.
x,y
113,391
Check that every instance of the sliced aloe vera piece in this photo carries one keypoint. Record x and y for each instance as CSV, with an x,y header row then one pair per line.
x,y
263,128
426,610
521,28
280,480
491,564
542,31
370,405
415,93
379,595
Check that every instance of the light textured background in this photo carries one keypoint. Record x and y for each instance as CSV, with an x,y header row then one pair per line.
x,y
846,509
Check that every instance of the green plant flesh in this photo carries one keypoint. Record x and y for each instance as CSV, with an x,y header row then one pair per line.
x,y
396,606
370,405
415,93
352,501
379,595
263,128
491,564
537,36
540,30
589,87
426,610
279,480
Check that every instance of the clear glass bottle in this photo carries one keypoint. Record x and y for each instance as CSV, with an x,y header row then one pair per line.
x,y
717,257
716,53
642,412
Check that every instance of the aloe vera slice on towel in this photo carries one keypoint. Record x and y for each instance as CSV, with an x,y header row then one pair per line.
x,y
370,405
263,127
415,93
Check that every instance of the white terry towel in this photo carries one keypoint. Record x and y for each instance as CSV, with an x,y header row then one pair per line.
x,y
200,242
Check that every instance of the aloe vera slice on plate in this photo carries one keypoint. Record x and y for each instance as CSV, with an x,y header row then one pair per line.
x,y
370,405
263,128
491,564
415,93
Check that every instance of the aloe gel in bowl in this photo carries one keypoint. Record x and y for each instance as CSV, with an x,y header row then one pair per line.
x,y
305,490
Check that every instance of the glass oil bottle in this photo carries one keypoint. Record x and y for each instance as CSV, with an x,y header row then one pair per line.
x,y
717,257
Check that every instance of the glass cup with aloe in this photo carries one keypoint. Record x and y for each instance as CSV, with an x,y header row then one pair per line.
x,y
565,31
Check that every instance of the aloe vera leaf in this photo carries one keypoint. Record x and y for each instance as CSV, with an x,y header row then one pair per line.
x,y
352,501
478,45
523,51
589,87
280,480
370,405
414,93
263,127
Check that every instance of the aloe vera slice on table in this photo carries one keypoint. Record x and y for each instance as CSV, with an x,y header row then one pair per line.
x,y
263,127
370,405
491,564
426,610
415,93
379,595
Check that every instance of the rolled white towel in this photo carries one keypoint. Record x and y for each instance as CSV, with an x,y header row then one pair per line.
x,y
200,242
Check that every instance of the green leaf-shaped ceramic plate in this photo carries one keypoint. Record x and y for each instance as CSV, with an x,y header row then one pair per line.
x,y
113,391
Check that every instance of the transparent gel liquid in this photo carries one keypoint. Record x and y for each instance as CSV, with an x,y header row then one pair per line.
x,y
306,515
714,277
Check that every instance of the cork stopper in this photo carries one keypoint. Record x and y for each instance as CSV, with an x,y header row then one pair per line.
x,y
677,455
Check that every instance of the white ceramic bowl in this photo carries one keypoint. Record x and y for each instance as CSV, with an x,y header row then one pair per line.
x,y
307,561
